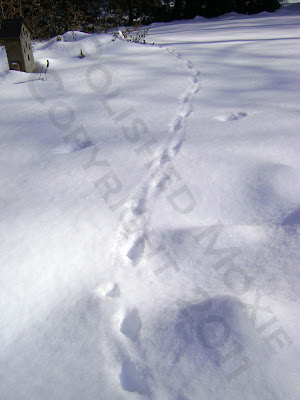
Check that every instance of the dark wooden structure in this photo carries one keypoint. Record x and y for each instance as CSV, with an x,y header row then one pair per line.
x,y
17,39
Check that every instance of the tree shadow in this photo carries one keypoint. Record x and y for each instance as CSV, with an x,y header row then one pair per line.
x,y
292,219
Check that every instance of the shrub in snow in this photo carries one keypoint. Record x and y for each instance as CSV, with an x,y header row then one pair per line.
x,y
135,34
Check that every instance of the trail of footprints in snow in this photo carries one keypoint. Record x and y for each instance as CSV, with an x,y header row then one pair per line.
x,y
132,245
131,375
177,132
186,108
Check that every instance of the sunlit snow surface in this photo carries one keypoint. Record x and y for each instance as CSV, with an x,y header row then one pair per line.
x,y
150,211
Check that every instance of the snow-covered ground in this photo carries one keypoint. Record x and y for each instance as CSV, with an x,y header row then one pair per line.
x,y
150,211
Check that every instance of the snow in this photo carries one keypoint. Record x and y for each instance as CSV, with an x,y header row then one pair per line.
x,y
150,214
